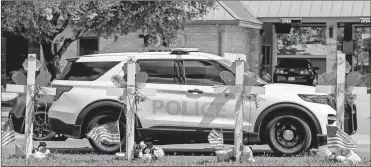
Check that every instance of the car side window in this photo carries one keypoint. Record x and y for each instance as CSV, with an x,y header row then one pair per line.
x,y
198,72
86,71
159,71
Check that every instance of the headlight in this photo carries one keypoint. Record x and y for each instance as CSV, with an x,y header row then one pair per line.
x,y
321,99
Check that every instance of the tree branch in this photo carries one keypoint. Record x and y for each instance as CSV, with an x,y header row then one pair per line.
x,y
64,25
68,41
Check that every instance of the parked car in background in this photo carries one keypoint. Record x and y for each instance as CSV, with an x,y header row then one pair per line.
x,y
296,71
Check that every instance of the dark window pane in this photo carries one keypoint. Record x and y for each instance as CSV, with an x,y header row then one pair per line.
x,y
202,73
86,71
89,46
294,63
159,71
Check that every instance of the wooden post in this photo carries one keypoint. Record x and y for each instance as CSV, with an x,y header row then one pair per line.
x,y
238,131
131,107
239,107
340,88
30,105
340,80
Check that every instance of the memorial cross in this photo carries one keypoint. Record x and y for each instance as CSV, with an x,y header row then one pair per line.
x,y
240,92
132,91
33,90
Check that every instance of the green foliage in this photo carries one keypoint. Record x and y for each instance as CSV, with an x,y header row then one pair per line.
x,y
42,21
301,36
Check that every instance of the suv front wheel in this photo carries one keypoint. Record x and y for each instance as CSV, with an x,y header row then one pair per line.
x,y
102,147
288,134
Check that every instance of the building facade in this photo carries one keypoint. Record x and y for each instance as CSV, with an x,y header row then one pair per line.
x,y
254,28
228,28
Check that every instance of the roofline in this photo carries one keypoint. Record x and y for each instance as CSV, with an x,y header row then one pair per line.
x,y
229,10
211,22
352,19
242,23
248,24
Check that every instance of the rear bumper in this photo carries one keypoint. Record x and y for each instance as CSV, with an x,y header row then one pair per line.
x,y
61,127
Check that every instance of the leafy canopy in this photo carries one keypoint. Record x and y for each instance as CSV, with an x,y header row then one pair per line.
x,y
42,21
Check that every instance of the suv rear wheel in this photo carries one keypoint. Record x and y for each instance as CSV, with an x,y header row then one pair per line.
x,y
288,134
41,128
107,117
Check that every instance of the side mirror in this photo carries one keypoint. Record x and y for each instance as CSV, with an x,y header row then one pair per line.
x,y
316,68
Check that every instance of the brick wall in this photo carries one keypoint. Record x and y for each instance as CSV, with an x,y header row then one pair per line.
x,y
204,37
243,40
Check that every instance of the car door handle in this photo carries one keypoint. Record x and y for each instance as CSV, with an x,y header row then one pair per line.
x,y
195,91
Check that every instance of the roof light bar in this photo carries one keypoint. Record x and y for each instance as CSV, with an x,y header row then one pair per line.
x,y
185,49
181,51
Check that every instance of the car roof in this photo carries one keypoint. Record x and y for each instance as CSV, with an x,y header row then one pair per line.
x,y
146,55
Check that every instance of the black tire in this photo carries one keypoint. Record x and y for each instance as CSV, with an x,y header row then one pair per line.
x,y
300,139
41,128
102,119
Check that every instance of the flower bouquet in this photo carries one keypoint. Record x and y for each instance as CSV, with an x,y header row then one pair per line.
x,y
146,151
225,155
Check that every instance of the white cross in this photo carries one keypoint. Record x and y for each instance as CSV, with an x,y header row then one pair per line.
x,y
340,80
247,90
130,105
31,71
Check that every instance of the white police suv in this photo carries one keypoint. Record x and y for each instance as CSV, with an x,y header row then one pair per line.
x,y
290,118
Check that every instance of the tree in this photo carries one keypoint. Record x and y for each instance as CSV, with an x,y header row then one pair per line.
x,y
301,36
43,21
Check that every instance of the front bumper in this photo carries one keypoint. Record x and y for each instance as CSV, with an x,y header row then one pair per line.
x,y
284,78
60,127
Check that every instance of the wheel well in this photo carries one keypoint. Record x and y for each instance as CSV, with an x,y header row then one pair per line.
x,y
97,108
287,109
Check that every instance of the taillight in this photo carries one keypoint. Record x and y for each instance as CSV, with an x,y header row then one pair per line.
x,y
60,90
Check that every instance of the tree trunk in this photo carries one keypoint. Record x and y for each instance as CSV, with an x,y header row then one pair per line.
x,y
51,60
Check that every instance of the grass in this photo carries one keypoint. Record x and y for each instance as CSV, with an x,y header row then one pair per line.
x,y
106,160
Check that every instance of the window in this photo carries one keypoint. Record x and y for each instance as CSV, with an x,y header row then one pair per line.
x,y
294,63
86,71
88,46
159,71
303,40
202,73
266,51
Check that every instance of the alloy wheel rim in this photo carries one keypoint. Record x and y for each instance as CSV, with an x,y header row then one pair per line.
x,y
288,135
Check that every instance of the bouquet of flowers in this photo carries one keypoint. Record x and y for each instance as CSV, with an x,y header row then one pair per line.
x,y
146,151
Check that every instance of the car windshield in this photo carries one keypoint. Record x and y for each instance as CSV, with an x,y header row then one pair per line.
x,y
249,74
293,63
